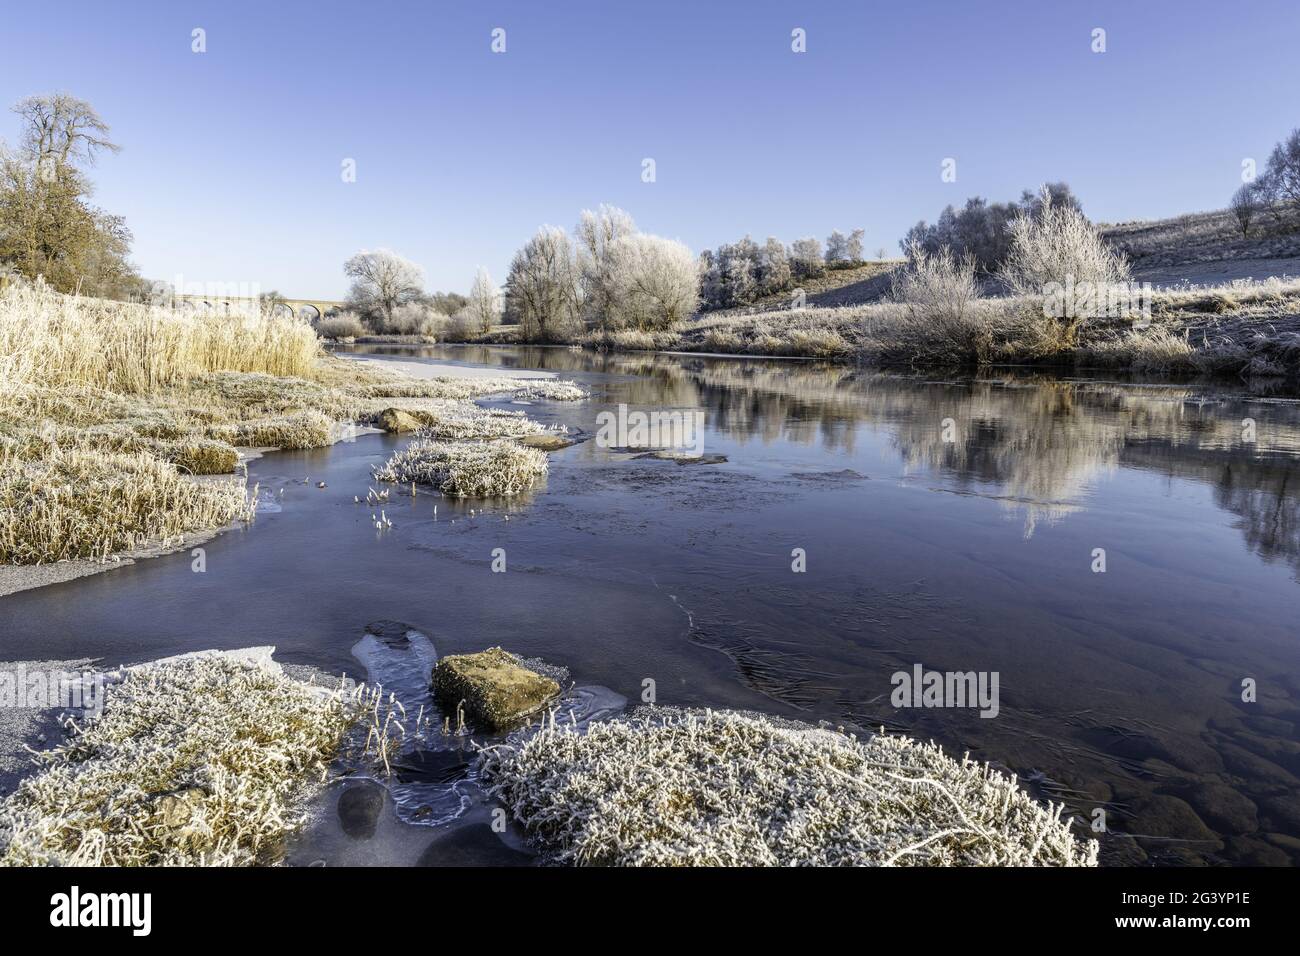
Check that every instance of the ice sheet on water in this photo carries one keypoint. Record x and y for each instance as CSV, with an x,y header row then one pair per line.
x,y
400,661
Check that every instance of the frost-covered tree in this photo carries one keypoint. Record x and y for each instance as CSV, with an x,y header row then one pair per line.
x,y
484,308
597,233
982,230
381,281
731,275
806,258
836,247
844,249
773,267
654,282
542,292
853,247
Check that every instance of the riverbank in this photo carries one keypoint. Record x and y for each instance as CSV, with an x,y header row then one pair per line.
x,y
124,429
224,758
1244,327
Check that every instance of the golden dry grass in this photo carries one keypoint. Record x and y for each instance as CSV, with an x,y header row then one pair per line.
x,y
107,409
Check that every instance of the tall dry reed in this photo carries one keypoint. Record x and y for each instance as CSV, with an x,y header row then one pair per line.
x,y
50,339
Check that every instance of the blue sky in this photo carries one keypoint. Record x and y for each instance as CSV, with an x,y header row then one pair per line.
x,y
231,160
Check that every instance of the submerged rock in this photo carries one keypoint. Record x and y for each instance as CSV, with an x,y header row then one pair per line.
x,y
396,420
496,689
473,845
547,441
682,458
359,808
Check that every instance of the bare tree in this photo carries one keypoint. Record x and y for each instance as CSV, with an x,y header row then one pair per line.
x,y
60,129
381,281
484,302
1244,205
1279,187
47,225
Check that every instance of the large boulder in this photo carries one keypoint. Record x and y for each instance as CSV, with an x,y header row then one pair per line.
x,y
496,689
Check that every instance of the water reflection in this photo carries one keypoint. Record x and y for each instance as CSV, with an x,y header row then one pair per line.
x,y
1036,443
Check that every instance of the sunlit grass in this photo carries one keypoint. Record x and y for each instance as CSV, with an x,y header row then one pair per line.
x,y
467,469
681,788
196,761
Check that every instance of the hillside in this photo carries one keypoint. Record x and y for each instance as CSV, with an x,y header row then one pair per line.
x,y
1203,248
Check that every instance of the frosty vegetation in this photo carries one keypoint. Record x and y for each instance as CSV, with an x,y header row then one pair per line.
x,y
744,272
467,469
715,788
203,760
611,277
109,410
1271,203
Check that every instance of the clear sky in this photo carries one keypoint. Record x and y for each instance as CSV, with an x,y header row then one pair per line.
x,y
231,162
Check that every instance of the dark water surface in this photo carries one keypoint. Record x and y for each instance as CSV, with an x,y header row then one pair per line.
x,y
1119,691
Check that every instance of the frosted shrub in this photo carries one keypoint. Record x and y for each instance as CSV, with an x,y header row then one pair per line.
x,y
1056,245
654,281
942,317
344,325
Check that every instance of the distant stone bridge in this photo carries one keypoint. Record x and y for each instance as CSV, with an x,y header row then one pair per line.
x,y
311,309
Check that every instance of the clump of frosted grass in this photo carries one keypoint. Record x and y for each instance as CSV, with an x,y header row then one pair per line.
x,y
83,503
467,469
553,390
463,420
203,760
716,788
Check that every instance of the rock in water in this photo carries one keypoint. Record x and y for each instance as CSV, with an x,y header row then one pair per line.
x,y
547,441
472,845
496,688
396,420
359,808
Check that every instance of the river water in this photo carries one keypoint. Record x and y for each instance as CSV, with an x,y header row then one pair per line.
x,y
960,524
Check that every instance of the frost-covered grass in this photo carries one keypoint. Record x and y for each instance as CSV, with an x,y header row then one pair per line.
x,y
83,503
107,409
195,761
682,788
550,389
459,421
467,469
